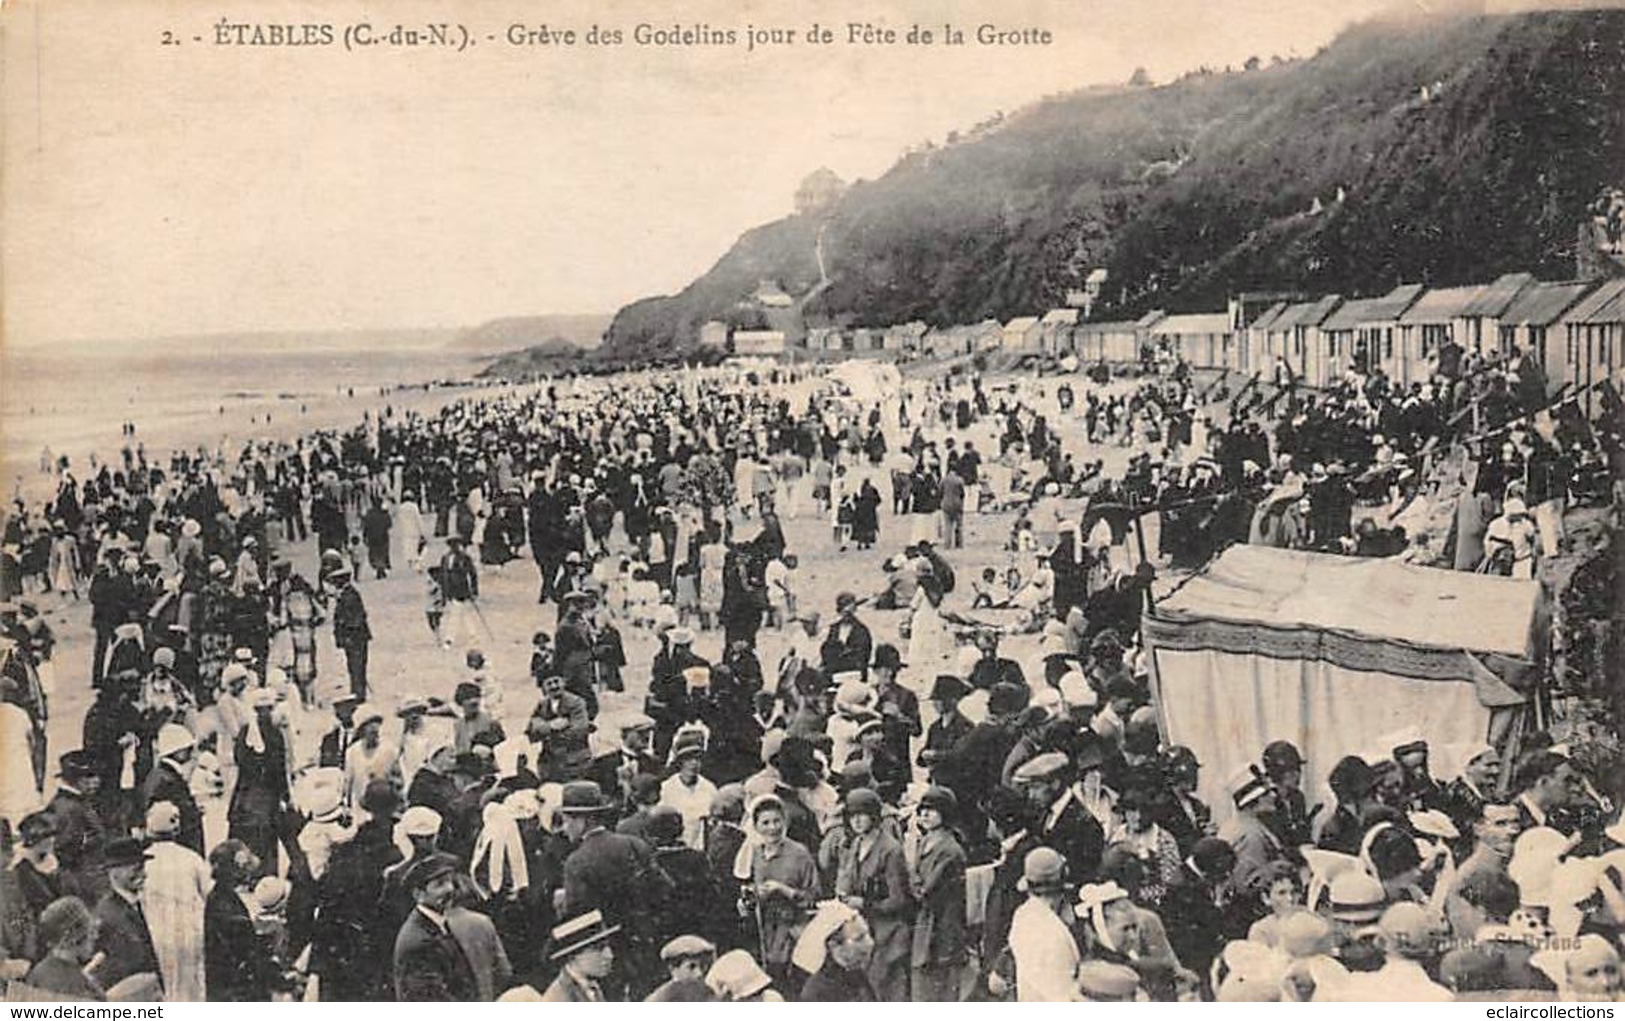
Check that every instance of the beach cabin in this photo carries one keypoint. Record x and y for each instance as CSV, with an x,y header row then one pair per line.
x,y
1255,341
759,342
1593,332
1434,321
1021,334
905,337
987,335
1526,322
826,338
1056,329
1296,335
866,340
1116,341
1366,329
1202,339
1480,324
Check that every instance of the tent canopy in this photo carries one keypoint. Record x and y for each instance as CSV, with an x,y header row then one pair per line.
x,y
1381,600
1337,654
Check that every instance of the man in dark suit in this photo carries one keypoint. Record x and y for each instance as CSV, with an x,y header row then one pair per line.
x,y
1060,819
615,770
351,631
973,766
992,668
337,741
604,871
80,834
238,964
430,964
122,933
848,645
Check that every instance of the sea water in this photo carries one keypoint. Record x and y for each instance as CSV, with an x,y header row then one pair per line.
x,y
76,402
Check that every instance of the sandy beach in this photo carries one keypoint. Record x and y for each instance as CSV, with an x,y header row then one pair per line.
x,y
407,661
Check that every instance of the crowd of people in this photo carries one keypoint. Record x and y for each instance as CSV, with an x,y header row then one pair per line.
x,y
852,819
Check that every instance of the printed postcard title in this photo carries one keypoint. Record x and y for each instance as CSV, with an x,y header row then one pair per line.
x,y
367,36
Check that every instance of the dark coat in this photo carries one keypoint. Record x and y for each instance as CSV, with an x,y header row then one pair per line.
x,y
350,625
80,837
939,886
566,753
1078,836
613,873
237,964
333,748
853,654
124,937
430,965
165,784
346,950
614,772
834,984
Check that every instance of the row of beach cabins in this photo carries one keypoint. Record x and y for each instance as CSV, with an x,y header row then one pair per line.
x,y
1575,330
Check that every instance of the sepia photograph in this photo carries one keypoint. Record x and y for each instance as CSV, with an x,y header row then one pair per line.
x,y
868,502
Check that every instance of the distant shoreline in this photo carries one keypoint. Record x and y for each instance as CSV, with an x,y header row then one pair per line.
x,y
62,403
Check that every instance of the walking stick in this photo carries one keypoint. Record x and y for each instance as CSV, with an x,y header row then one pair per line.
x,y
481,615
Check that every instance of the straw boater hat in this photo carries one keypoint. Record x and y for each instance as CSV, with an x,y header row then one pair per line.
x,y
579,933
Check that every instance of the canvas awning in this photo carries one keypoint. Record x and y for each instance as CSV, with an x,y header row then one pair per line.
x,y
1332,653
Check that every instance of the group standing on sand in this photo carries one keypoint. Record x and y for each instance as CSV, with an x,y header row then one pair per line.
x,y
760,830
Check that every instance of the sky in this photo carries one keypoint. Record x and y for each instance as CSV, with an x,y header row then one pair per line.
x,y
155,189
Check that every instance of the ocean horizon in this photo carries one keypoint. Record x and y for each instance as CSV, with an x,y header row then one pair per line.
x,y
74,402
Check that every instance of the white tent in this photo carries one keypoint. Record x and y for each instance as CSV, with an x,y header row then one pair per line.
x,y
1336,654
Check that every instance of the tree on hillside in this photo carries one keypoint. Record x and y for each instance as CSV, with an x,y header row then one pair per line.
x,y
1253,64
1140,78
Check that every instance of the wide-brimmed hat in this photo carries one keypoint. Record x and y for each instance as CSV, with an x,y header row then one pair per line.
x,y
736,976
942,799
888,658
172,739
583,797
948,688
420,821
1107,981
687,946
580,932
36,828
688,741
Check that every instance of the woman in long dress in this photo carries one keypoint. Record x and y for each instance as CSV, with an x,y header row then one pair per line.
x,y
713,556
409,531
303,618
178,884
932,647
65,562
